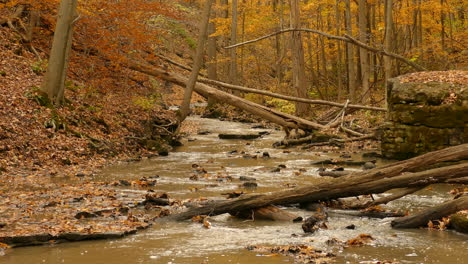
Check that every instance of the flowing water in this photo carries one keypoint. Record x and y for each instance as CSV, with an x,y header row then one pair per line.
x,y
225,242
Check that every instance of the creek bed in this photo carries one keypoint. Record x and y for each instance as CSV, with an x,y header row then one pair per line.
x,y
225,241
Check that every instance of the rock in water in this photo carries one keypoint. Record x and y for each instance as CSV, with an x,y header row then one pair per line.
x,y
314,222
368,165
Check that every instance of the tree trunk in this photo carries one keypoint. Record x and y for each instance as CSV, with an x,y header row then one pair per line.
x,y
212,65
54,80
298,65
338,59
388,43
185,108
363,54
233,52
225,42
350,55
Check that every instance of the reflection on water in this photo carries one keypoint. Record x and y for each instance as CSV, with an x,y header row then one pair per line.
x,y
224,242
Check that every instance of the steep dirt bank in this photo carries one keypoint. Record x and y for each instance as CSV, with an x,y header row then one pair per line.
x,y
93,127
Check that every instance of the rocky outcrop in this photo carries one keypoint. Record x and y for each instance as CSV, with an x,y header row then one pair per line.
x,y
427,112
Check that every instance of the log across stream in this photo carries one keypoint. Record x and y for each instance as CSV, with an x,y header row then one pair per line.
x,y
186,242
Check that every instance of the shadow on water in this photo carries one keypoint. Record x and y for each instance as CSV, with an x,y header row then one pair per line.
x,y
225,241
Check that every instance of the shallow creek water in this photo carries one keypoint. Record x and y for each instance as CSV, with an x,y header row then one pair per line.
x,y
225,241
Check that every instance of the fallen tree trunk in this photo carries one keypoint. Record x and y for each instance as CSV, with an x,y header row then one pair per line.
x,y
434,213
269,212
383,200
370,214
314,137
339,142
463,180
289,98
334,174
377,180
282,119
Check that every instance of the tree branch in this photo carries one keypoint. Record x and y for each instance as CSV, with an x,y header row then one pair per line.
x,y
346,38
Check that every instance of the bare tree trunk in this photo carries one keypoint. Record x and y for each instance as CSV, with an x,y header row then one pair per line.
x,y
54,80
212,65
298,65
350,55
185,107
211,53
225,42
338,59
442,25
363,54
233,52
388,44
278,43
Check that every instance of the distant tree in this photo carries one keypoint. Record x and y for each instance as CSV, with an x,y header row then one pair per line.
x,y
298,64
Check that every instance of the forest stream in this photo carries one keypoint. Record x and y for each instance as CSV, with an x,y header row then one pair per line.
x,y
226,241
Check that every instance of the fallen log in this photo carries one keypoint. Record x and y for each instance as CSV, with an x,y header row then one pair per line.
x,y
339,142
463,180
269,212
334,174
378,180
239,136
433,213
314,137
288,98
284,120
383,200
369,214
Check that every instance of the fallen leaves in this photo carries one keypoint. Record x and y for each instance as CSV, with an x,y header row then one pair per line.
x,y
360,240
454,77
300,253
70,212
203,219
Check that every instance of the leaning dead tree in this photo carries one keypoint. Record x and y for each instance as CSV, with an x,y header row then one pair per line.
x,y
345,38
397,175
289,98
285,120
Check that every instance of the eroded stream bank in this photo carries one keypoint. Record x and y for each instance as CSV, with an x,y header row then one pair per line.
x,y
225,241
